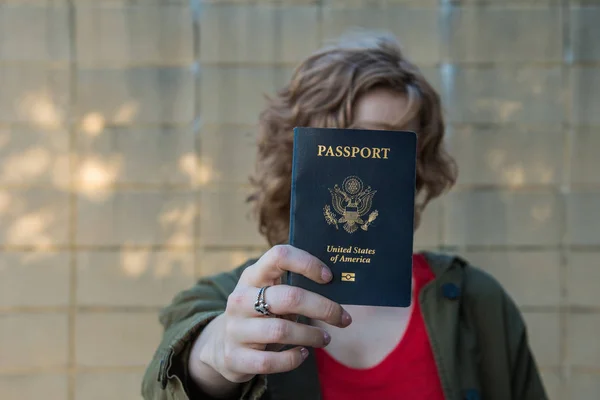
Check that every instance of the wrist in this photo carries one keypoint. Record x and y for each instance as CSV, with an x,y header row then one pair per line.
x,y
204,371
202,355
205,362
205,357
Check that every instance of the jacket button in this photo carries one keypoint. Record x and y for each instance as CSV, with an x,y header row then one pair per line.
x,y
451,291
472,394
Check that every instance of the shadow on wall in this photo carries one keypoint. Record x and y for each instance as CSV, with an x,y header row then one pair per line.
x,y
43,153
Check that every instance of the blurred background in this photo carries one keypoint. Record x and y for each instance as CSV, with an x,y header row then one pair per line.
x,y
127,134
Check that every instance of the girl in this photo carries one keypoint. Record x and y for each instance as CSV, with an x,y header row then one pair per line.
x,y
462,338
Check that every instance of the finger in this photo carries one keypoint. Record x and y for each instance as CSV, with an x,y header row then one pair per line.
x,y
285,299
258,362
279,331
281,258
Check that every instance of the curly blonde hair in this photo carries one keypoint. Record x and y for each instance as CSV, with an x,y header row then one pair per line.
x,y
322,93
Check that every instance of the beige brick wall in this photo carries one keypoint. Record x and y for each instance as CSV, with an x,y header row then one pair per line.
x,y
127,136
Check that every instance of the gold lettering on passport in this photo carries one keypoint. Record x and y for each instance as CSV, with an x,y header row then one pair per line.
x,y
349,249
353,151
352,202
350,254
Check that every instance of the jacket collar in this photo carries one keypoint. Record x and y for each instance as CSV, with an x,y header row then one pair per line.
x,y
441,263
450,326
441,301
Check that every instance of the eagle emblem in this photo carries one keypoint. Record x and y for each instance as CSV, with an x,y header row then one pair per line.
x,y
352,202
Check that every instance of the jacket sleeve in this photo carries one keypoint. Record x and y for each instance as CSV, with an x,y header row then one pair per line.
x,y
166,377
526,380
505,364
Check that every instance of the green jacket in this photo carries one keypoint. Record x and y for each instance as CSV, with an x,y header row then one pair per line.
x,y
478,337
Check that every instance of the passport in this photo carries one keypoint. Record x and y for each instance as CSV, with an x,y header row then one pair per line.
x,y
353,206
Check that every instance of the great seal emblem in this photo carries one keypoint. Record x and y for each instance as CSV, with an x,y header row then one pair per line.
x,y
352,202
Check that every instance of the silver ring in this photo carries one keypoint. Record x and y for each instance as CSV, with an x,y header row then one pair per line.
x,y
260,305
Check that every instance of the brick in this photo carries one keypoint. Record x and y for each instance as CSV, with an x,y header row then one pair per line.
x,y
552,383
584,161
527,95
585,32
34,217
234,95
401,21
35,279
118,34
298,35
34,93
502,218
42,31
583,385
511,2
227,153
543,331
433,75
33,340
586,102
261,2
34,387
532,278
34,156
108,385
212,262
582,277
123,339
508,156
583,219
282,77
237,33
148,155
583,346
143,95
376,3
495,34
129,2
152,217
226,219
132,277
428,233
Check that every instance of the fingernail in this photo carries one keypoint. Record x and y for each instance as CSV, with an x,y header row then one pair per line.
x,y
326,338
304,353
346,318
326,274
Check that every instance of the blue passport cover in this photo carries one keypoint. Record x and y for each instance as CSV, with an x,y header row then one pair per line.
x,y
352,206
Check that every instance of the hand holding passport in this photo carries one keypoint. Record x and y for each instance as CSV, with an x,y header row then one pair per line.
x,y
352,207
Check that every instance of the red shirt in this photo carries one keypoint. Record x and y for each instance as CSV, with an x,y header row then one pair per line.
x,y
408,372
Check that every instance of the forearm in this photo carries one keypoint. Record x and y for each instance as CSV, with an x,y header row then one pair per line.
x,y
202,356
